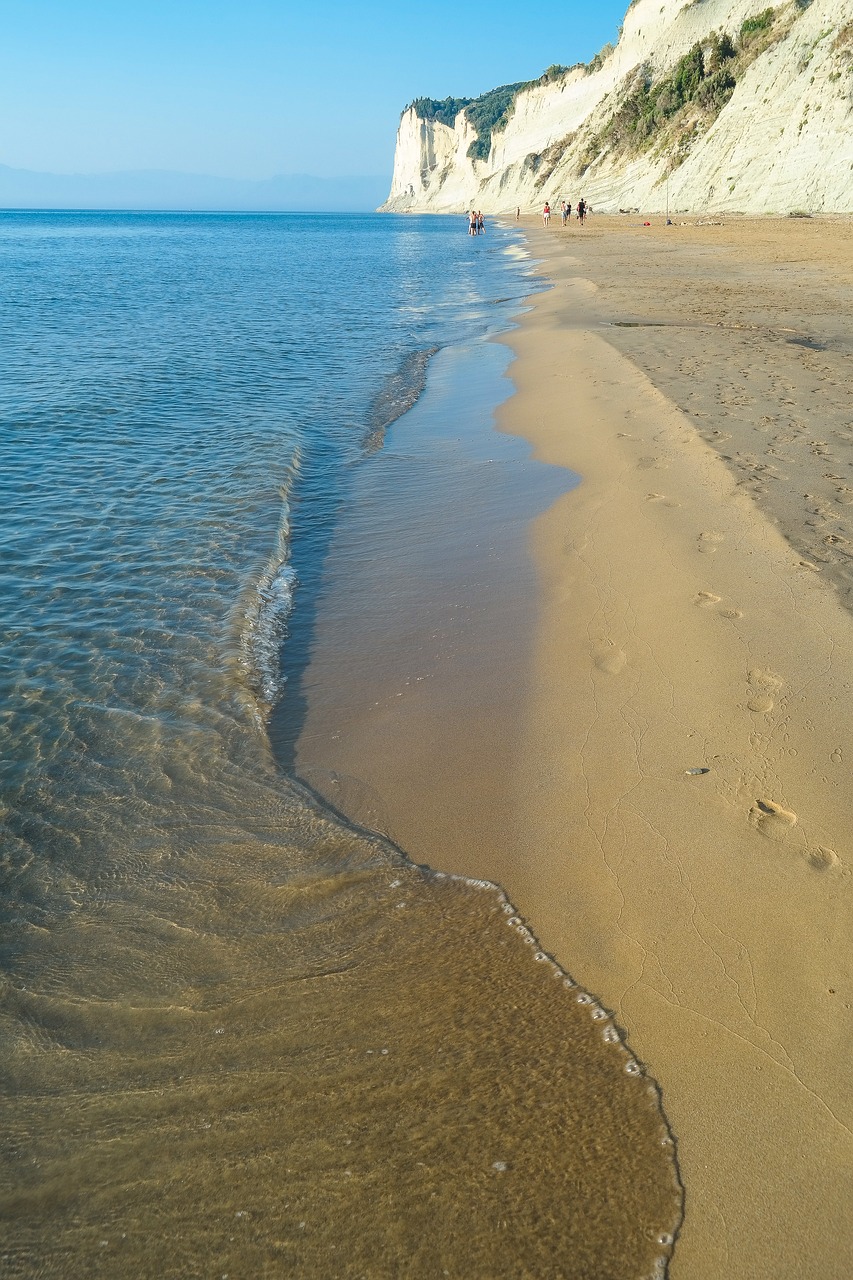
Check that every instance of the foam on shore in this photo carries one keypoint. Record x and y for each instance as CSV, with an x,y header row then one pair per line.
x,y
660,783
692,704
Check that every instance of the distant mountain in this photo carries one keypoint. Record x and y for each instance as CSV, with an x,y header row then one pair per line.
x,y
164,189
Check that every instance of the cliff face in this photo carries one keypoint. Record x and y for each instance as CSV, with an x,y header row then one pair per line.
x,y
713,104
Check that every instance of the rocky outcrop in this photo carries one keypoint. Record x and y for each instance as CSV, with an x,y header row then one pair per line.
x,y
706,105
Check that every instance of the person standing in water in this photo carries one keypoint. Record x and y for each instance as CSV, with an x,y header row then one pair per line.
x,y
481,224
472,223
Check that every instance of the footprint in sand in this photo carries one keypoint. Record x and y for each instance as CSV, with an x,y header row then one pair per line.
x,y
764,684
662,498
771,819
707,600
764,678
822,859
708,542
609,658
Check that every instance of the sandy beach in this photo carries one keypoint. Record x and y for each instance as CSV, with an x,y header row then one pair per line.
x,y
664,789
688,606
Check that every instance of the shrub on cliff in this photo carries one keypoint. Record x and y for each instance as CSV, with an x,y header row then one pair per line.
x,y
759,22
489,114
696,89
556,71
444,110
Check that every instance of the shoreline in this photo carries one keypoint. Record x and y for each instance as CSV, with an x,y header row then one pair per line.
x,y
239,1031
710,910
674,629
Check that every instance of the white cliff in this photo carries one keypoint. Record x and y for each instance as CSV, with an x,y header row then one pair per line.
x,y
777,137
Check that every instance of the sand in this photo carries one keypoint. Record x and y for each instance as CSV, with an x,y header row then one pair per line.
x,y
666,796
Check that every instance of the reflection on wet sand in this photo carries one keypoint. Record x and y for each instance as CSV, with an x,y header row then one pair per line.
x,y
239,1036
359,1068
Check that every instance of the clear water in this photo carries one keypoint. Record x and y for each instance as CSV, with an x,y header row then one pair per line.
x,y
203,968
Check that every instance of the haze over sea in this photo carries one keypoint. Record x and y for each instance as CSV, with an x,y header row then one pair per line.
x,y
228,1048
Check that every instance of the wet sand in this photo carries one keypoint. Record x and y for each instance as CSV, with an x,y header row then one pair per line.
x,y
234,1072
665,793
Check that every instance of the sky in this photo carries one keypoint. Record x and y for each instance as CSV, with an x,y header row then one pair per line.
x,y
254,88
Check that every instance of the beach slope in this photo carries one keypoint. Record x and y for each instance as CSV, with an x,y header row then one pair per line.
x,y
643,730
685,807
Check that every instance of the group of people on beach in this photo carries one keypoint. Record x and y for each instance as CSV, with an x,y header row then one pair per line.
x,y
582,210
477,223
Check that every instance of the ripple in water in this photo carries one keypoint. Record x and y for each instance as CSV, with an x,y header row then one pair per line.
x,y
400,392
239,1036
261,617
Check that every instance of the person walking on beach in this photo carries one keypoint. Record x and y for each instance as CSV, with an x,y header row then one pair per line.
x,y
581,211
546,214
568,210
518,213
562,213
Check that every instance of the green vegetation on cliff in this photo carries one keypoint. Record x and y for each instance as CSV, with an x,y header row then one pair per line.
x,y
703,77
674,110
445,110
489,113
760,22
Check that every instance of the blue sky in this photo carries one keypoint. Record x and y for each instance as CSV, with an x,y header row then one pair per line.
x,y
252,88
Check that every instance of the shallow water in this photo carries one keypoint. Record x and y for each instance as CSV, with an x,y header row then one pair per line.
x,y
230,1021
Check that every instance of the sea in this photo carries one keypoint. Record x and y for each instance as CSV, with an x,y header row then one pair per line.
x,y
241,1034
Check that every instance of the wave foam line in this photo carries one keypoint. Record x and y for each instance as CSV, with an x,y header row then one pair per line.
x,y
401,390
263,613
